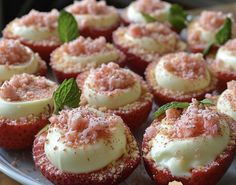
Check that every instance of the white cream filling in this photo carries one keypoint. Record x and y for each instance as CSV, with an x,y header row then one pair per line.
x,y
32,33
227,57
111,100
168,80
97,58
207,36
30,67
134,15
179,156
224,105
16,110
85,158
98,21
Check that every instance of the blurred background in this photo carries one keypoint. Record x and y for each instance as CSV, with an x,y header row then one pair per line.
x,y
9,9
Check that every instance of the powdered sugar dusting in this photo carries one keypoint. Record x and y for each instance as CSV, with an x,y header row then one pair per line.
x,y
12,52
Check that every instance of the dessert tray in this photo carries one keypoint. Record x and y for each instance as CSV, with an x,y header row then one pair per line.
x,y
19,165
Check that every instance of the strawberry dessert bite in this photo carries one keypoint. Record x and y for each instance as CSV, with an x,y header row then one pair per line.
x,y
82,54
202,31
16,58
25,105
226,102
37,30
95,18
84,146
180,77
155,8
224,64
194,145
145,43
116,90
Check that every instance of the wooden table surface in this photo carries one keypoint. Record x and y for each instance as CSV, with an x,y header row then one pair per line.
x,y
5,180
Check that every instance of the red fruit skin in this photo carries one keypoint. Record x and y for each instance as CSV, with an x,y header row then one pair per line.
x,y
135,63
223,78
162,98
19,136
123,167
207,175
134,117
94,33
61,76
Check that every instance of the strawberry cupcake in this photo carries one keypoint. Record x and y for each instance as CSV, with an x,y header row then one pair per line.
x,y
25,105
155,8
145,43
84,146
226,102
201,31
180,77
116,90
224,64
194,146
16,58
37,30
82,54
95,18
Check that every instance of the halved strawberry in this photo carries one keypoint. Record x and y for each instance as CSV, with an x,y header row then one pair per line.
x,y
112,174
19,135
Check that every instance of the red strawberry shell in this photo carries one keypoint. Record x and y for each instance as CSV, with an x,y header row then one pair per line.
x,y
110,175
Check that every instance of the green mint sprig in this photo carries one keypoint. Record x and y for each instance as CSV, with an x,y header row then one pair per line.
x,y
221,37
67,95
178,105
68,29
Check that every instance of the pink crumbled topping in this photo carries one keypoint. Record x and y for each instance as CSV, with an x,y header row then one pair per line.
x,y
150,5
91,7
110,77
156,30
85,46
232,86
12,52
83,126
184,65
26,87
40,19
212,20
195,121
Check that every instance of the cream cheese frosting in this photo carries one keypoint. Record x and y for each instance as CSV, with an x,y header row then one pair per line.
x,y
182,155
169,80
135,15
31,67
85,158
116,97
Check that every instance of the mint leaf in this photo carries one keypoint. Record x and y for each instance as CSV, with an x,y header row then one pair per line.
x,y
221,37
225,32
172,105
67,27
148,18
207,102
177,17
67,94
208,49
